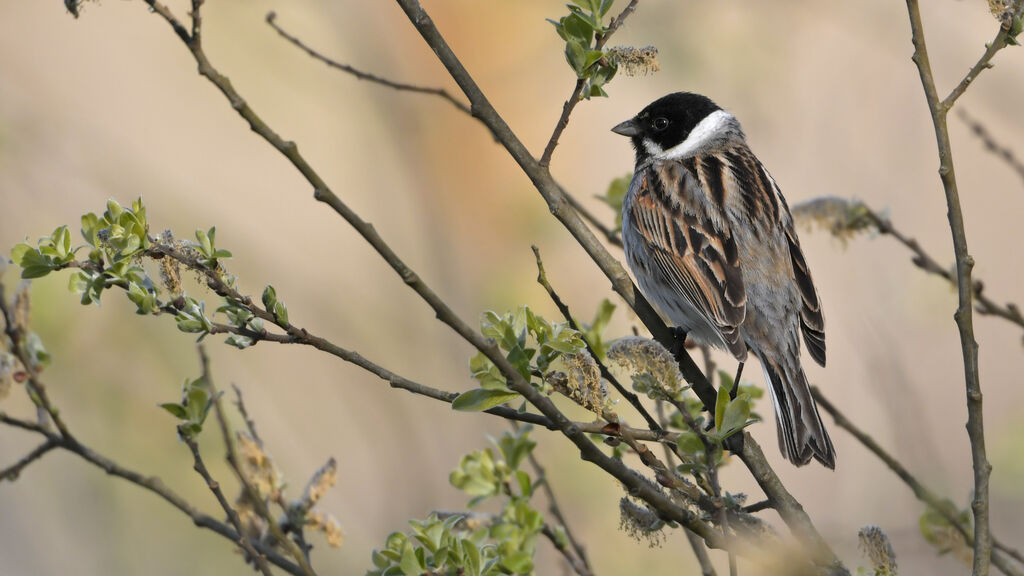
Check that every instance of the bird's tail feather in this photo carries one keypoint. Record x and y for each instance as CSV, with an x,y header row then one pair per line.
x,y
801,431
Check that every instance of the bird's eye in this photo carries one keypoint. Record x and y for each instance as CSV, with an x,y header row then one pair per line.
x,y
660,123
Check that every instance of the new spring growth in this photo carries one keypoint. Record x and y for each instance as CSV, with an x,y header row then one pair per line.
x,y
653,369
582,383
640,523
876,546
843,218
634,61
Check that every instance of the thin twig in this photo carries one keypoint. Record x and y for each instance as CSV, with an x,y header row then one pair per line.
x,y
153,485
35,386
1002,152
964,264
14,470
577,91
232,458
250,424
632,398
923,260
609,234
941,505
214,487
359,74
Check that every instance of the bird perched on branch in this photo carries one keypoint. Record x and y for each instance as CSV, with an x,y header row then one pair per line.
x,y
711,242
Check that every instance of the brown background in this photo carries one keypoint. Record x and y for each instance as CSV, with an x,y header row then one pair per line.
x,y
110,106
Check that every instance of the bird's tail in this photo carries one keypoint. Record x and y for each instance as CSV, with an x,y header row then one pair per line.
x,y
801,432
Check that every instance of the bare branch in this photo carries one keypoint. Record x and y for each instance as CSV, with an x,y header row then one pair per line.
x,y
964,264
990,143
359,74
35,386
151,484
214,487
232,458
14,470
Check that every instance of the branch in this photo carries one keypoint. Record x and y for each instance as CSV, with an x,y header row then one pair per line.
x,y
964,264
35,386
232,459
214,487
921,492
151,484
577,92
990,143
13,471
440,92
634,400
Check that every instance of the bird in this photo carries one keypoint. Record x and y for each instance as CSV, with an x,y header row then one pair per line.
x,y
712,244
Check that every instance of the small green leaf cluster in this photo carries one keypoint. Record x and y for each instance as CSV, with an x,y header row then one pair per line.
x,y
193,409
53,253
117,241
440,547
483,476
580,29
475,545
208,251
530,343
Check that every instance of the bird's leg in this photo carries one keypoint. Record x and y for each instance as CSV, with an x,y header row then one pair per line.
x,y
736,382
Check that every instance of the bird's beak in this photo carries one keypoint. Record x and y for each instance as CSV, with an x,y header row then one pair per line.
x,y
628,128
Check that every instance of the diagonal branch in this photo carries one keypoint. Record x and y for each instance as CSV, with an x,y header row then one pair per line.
x,y
14,470
633,399
921,492
153,485
400,86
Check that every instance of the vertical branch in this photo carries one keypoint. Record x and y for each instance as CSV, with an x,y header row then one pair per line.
x,y
964,316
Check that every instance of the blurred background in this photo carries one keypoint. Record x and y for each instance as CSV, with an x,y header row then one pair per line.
x,y
110,105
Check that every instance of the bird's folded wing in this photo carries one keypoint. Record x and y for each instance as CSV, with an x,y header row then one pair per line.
x,y
694,253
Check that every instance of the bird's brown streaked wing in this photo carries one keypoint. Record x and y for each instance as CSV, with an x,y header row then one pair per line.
x,y
812,322
696,257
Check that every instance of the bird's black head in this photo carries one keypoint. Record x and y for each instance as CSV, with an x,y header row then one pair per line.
x,y
666,122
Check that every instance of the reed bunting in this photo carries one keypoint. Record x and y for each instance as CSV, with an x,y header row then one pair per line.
x,y
711,242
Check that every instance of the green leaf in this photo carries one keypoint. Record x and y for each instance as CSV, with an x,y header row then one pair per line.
x,y
689,443
579,29
525,484
269,298
482,399
576,56
471,557
176,410
281,313
518,562
737,413
720,405
33,263
410,564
